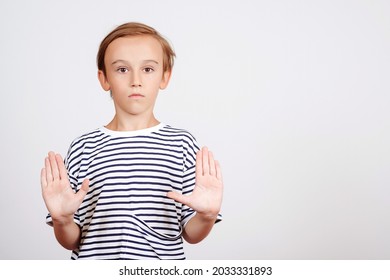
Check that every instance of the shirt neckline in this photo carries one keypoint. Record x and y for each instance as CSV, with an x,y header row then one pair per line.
x,y
131,133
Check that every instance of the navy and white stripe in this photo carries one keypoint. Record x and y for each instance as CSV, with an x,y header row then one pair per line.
x,y
126,213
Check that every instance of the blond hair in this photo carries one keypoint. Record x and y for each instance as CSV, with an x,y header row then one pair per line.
x,y
135,29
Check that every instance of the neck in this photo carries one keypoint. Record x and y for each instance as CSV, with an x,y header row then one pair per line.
x,y
131,124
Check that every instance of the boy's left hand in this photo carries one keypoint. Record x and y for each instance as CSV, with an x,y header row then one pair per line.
x,y
206,198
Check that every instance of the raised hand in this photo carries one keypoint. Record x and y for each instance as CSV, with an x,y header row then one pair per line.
x,y
60,199
206,198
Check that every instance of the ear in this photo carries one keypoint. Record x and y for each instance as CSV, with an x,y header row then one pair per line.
x,y
103,80
165,79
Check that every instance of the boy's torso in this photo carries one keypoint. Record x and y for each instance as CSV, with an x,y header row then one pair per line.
x,y
126,213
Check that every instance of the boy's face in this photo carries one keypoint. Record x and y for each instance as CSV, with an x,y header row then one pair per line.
x,y
134,74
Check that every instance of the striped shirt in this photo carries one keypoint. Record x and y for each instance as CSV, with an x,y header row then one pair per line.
x,y
126,213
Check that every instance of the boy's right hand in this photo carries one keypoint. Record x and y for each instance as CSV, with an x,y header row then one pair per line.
x,y
60,199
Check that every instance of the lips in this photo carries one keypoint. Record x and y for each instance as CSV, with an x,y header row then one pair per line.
x,y
136,95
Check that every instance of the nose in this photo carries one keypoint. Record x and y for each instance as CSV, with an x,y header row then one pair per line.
x,y
135,80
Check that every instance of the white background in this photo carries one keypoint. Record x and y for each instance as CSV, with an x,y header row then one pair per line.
x,y
292,97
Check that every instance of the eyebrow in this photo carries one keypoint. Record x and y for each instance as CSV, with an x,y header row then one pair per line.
x,y
126,62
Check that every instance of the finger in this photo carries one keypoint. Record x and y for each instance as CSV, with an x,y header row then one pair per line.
x,y
49,175
218,170
54,166
205,161
61,167
199,164
83,191
43,178
212,164
178,197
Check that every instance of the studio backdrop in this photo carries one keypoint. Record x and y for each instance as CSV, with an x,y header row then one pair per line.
x,y
291,96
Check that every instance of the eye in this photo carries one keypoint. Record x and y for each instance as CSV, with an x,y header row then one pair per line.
x,y
122,70
148,70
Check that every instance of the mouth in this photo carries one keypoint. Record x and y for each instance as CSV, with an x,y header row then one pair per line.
x,y
136,95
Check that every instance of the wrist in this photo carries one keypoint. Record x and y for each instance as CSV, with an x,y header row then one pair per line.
x,y
62,220
207,217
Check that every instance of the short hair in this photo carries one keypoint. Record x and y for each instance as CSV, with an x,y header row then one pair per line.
x,y
135,29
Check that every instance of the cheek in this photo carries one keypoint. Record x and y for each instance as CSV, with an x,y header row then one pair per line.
x,y
119,83
151,82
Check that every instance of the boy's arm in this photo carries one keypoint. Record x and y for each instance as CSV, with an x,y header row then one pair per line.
x,y
67,233
206,198
198,228
61,201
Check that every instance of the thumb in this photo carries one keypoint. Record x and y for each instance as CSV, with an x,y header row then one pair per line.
x,y
83,190
178,197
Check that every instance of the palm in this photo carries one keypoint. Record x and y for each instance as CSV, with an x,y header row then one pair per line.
x,y
206,197
60,199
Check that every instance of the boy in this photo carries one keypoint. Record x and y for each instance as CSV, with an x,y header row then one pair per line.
x,y
134,188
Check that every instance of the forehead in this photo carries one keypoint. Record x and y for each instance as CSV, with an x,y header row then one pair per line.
x,y
134,48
